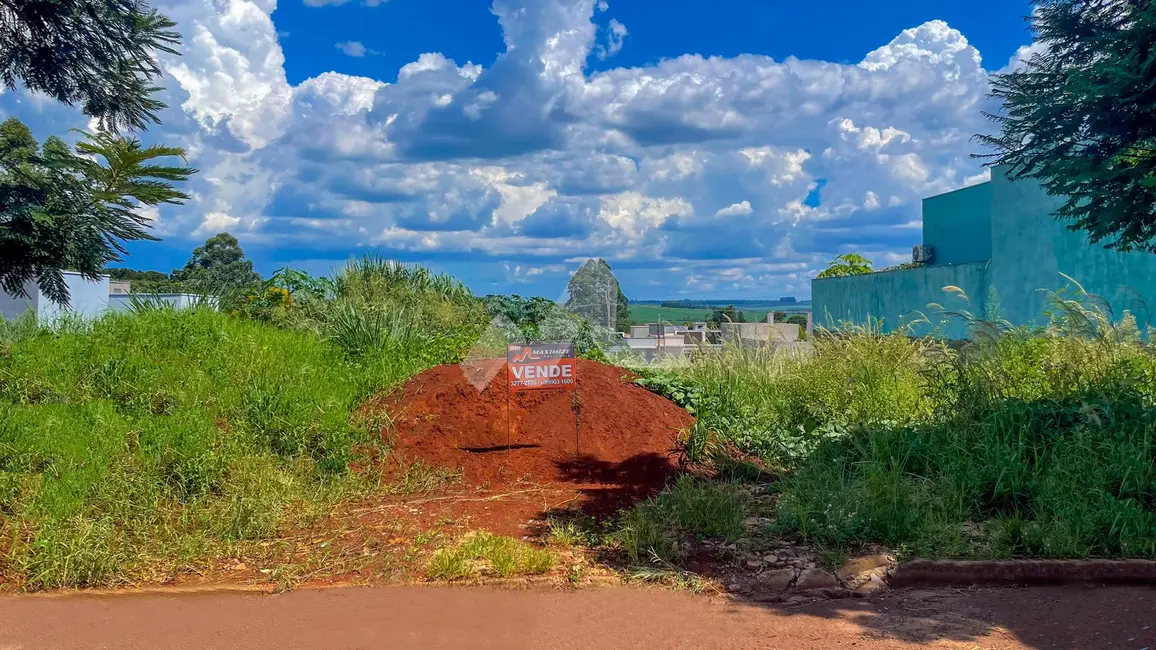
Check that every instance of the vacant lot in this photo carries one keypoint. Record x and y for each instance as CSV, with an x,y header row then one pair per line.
x,y
275,443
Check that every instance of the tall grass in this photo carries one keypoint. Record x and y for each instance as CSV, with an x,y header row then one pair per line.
x,y
780,405
372,306
151,439
1034,442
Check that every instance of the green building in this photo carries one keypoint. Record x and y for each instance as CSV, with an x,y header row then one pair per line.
x,y
997,240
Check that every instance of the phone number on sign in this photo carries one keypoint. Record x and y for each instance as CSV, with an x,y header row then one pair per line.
x,y
542,382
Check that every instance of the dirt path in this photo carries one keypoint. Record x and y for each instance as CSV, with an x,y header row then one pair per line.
x,y
414,617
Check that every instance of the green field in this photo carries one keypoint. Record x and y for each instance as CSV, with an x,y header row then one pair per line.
x,y
643,314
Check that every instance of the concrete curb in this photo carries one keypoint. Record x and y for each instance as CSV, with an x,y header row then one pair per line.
x,y
929,573
153,590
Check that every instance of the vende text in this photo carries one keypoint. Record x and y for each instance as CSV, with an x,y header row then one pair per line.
x,y
552,371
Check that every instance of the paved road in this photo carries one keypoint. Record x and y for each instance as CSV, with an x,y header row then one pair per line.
x,y
414,617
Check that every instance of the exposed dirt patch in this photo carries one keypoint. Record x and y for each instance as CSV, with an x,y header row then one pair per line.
x,y
598,448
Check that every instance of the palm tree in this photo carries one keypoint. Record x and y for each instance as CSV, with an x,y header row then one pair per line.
x,y
847,264
60,210
127,180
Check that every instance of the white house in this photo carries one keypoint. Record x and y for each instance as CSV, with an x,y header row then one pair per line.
x,y
87,298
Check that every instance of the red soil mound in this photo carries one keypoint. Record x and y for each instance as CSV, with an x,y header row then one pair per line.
x,y
624,446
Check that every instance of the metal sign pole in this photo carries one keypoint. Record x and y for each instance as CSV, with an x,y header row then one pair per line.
x,y
576,403
508,415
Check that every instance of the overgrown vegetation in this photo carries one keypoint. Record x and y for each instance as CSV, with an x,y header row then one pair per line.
x,y
663,529
1022,443
148,441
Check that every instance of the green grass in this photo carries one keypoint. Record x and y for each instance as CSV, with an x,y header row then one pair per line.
x,y
147,441
664,528
1023,443
484,553
1045,447
781,406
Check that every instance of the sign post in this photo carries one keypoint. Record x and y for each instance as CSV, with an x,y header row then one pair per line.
x,y
540,366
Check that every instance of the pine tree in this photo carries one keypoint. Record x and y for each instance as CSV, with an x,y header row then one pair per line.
x,y
62,211
1080,117
98,53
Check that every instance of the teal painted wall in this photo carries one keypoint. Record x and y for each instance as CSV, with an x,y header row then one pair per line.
x,y
901,297
958,225
1031,249
1028,250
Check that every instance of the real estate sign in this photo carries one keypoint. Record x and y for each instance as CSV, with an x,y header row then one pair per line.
x,y
536,366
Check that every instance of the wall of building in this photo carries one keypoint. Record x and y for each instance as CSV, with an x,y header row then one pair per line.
x,y
13,307
86,298
957,225
890,299
124,302
1030,249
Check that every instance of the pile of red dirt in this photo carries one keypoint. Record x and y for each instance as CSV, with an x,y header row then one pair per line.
x,y
609,438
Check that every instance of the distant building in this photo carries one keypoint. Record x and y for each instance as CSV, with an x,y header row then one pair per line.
x,y
119,286
89,299
999,243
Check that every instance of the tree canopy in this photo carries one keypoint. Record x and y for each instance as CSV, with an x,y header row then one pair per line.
x,y
217,266
594,294
62,211
1080,117
846,264
98,53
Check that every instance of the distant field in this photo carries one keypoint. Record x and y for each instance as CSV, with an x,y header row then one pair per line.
x,y
643,314
753,310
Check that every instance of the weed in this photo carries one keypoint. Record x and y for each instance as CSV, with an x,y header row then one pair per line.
x,y
489,554
690,510
448,564
420,477
160,437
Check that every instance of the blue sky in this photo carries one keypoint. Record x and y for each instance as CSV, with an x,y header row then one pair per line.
x,y
705,151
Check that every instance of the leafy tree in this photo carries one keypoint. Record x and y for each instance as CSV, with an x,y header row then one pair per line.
x,y
99,53
541,319
144,281
726,314
62,211
847,264
594,294
1080,117
218,266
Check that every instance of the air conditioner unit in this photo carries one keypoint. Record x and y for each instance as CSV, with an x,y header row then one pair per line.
x,y
922,253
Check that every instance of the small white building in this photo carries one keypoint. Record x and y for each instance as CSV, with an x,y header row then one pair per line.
x,y
87,298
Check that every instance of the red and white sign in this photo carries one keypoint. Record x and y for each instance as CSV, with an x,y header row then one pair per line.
x,y
536,366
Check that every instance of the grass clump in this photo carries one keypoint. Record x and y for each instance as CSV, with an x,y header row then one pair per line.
x,y
664,528
486,554
779,406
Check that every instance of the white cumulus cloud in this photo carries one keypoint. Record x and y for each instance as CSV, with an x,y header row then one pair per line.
x,y
747,172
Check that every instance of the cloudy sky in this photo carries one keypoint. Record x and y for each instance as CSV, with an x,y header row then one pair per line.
x,y
706,150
